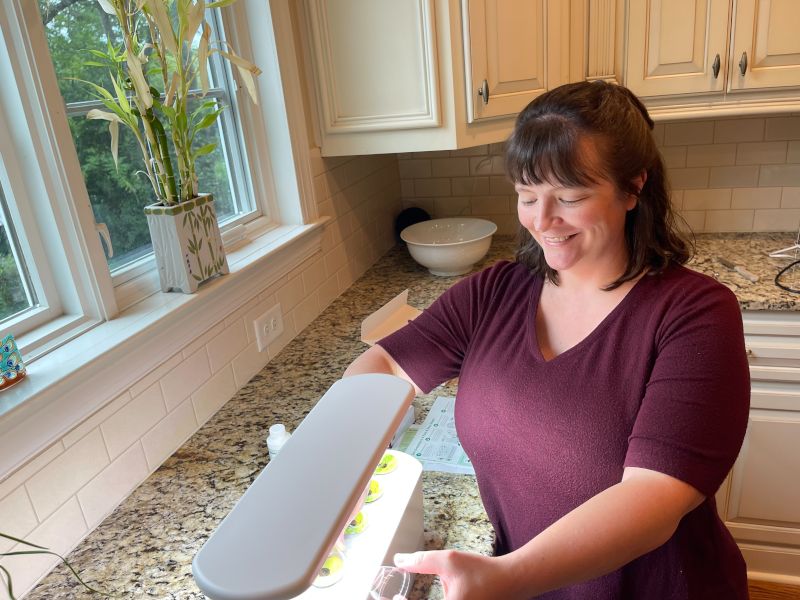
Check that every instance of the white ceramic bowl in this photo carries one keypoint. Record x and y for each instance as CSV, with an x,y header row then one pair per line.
x,y
449,246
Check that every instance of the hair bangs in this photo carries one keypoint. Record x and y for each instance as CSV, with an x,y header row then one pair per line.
x,y
550,150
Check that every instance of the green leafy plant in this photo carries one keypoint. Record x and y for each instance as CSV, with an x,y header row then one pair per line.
x,y
166,46
4,573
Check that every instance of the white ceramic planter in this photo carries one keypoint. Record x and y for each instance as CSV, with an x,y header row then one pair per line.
x,y
187,243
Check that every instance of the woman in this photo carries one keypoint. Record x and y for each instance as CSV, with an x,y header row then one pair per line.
x,y
603,388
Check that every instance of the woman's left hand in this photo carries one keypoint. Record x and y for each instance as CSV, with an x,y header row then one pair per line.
x,y
464,575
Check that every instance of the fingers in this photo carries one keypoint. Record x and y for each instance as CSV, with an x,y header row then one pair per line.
x,y
420,562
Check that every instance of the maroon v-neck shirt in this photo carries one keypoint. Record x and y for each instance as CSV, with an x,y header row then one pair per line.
x,y
662,383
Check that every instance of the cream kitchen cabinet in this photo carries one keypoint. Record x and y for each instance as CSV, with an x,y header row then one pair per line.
x,y
416,75
507,43
713,57
760,502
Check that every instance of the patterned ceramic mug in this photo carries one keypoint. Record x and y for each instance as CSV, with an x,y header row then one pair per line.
x,y
12,365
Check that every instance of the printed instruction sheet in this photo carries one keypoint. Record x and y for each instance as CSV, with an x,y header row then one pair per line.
x,y
434,443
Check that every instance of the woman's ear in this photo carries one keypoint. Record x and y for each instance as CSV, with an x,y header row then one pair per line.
x,y
638,182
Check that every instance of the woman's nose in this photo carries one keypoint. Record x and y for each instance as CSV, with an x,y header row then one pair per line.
x,y
544,215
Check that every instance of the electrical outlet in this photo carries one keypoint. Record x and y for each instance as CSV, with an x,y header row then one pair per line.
x,y
268,327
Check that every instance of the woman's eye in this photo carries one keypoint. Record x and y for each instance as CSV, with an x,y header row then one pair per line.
x,y
569,201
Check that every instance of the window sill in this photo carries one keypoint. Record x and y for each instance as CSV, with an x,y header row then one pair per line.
x,y
70,383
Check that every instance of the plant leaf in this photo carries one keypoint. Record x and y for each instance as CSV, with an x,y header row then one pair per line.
x,y
208,120
220,3
247,78
139,82
203,150
122,97
202,58
9,586
196,14
173,87
158,10
241,62
246,71
19,541
107,8
113,129
99,89
208,104
96,113
167,110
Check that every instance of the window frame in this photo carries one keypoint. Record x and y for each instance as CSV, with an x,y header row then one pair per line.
x,y
34,185
75,278
66,386
139,280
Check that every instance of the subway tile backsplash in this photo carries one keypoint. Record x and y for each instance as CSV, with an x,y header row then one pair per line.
x,y
738,174
69,488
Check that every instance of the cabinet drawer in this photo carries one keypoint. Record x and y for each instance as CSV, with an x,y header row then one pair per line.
x,y
775,395
771,322
774,373
768,347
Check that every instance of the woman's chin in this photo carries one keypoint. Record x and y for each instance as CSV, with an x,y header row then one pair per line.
x,y
559,263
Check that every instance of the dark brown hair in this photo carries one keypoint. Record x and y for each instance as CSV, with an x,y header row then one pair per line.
x,y
545,146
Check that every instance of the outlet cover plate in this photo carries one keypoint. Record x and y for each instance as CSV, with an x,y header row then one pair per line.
x,y
268,327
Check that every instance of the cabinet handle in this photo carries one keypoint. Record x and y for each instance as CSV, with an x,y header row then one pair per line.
x,y
749,352
743,63
715,66
483,92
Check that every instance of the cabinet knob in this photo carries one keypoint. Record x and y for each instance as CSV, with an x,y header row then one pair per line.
x,y
715,66
743,63
749,352
483,92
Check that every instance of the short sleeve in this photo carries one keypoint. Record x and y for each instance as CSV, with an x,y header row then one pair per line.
x,y
693,417
432,347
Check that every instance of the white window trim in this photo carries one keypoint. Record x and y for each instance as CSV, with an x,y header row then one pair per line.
x,y
53,236
75,380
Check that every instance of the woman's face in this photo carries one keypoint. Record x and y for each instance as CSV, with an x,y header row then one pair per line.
x,y
580,229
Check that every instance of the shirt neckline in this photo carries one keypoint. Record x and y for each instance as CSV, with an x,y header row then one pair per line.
x,y
533,306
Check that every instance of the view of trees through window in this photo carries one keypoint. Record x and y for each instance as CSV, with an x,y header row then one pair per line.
x,y
14,296
118,195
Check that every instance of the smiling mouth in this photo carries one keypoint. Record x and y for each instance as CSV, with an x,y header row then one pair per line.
x,y
558,239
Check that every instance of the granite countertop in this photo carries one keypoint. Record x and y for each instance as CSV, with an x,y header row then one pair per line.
x,y
145,548
751,251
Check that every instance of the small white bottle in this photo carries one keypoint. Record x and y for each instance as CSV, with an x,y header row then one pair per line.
x,y
276,439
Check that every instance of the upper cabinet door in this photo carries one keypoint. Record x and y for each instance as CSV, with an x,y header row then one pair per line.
x,y
677,46
505,52
376,64
766,44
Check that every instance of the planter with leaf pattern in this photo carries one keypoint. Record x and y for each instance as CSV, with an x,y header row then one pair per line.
x,y
187,243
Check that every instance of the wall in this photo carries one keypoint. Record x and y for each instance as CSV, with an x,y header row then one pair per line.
x,y
59,496
738,174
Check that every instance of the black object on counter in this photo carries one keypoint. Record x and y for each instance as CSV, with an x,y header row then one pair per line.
x,y
790,266
407,217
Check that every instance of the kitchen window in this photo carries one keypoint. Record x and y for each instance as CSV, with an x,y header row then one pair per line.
x,y
88,349
17,296
46,294
58,194
118,195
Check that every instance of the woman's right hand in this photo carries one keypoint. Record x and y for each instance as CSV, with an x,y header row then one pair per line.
x,y
464,575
